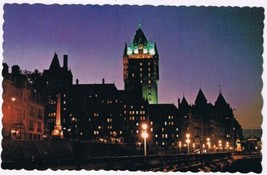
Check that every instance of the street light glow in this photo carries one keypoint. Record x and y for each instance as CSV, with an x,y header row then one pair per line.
x,y
144,135
144,126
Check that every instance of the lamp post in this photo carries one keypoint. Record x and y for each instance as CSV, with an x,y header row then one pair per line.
x,y
187,141
145,136
180,146
208,143
220,144
227,146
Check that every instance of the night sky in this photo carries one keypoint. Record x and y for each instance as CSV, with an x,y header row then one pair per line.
x,y
199,47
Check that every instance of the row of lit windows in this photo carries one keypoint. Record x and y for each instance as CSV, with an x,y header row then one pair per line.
x,y
125,106
168,123
52,114
137,112
170,117
142,118
165,136
147,64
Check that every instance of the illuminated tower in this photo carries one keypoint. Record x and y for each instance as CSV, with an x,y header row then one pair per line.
x,y
57,132
140,67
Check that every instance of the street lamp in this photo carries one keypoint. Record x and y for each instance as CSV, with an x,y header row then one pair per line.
x,y
145,136
220,144
187,141
227,146
208,143
180,146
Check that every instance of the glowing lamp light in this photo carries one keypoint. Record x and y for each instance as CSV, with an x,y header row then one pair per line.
x,y
187,141
187,135
13,99
145,135
144,126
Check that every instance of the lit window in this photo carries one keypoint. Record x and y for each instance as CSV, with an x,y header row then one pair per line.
x,y
177,135
141,64
141,69
177,129
156,135
136,112
165,123
132,75
162,129
151,129
141,76
137,124
151,123
166,136
149,81
137,131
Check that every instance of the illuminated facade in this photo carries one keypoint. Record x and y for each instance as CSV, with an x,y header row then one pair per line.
x,y
23,112
204,121
56,80
164,121
140,67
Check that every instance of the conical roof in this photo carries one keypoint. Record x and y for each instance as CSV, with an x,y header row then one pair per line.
x,y
220,100
139,37
200,99
184,102
55,62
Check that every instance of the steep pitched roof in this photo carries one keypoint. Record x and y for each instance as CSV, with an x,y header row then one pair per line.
x,y
184,102
55,62
139,37
200,99
220,100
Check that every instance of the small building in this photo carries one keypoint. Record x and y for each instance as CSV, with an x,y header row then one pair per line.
x,y
23,112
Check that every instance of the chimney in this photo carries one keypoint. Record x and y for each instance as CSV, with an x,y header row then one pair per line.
x,y
103,81
15,70
179,102
65,62
77,81
5,70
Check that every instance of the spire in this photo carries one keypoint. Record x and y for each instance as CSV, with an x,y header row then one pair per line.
x,y
220,100
184,102
139,37
200,99
125,50
139,25
55,62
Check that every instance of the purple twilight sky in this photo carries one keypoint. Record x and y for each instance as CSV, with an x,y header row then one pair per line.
x,y
198,47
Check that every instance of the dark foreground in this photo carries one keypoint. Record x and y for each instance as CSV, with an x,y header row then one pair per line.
x,y
88,156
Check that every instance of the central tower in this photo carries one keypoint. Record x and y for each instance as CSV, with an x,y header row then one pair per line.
x,y
140,66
